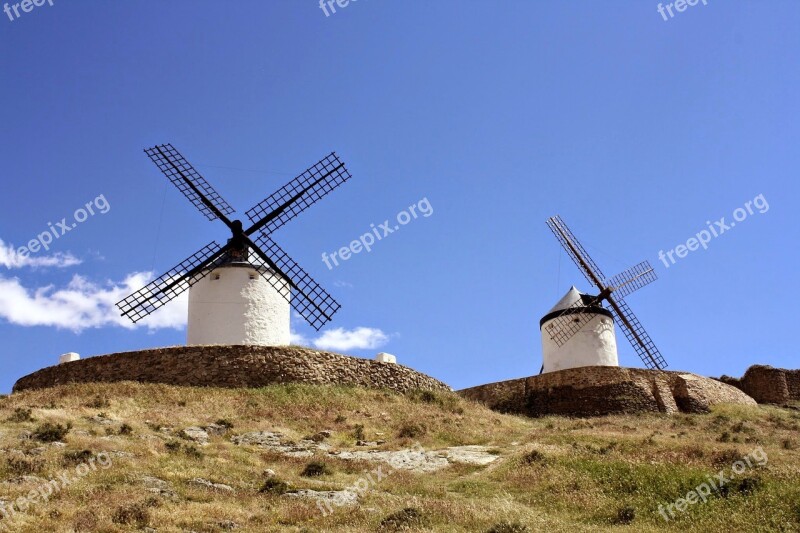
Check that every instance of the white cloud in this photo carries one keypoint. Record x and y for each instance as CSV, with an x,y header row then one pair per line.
x,y
360,338
10,258
83,305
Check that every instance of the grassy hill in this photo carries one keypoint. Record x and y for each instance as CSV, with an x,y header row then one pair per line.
x,y
131,463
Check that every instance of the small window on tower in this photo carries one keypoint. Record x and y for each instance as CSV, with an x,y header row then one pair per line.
x,y
252,275
215,277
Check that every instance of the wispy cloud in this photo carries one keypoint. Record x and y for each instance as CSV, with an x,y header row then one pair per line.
x,y
10,258
82,305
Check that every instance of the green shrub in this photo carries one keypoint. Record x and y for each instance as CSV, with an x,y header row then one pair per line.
x,y
77,457
533,457
412,431
626,515
21,415
23,466
135,514
274,486
315,469
404,519
224,422
49,432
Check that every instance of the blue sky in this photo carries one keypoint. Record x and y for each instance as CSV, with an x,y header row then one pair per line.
x,y
634,129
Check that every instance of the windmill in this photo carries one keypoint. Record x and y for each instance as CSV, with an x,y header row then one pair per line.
x,y
252,248
613,291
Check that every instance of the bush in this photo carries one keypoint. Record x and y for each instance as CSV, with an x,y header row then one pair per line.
x,y
21,415
405,518
49,432
315,469
76,458
224,422
626,515
125,429
340,419
506,527
788,444
274,486
533,457
136,514
412,431
749,485
358,432
22,466
99,402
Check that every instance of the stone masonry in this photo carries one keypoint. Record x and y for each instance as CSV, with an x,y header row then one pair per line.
x,y
604,390
232,366
768,385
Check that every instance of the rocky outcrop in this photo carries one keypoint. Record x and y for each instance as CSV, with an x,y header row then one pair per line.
x,y
605,390
232,366
766,384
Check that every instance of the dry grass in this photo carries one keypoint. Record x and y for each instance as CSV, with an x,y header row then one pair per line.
x,y
554,474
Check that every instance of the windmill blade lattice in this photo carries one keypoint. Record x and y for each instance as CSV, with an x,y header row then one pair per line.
x,y
570,321
637,336
632,279
298,195
175,281
178,170
308,298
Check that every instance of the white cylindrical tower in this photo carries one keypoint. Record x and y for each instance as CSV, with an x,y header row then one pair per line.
x,y
234,304
595,344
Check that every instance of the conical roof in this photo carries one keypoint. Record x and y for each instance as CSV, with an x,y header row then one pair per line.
x,y
572,296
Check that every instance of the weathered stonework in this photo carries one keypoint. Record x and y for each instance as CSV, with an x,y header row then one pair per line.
x,y
768,385
603,390
232,366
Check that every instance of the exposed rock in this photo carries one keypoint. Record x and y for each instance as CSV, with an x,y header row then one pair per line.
x,y
337,497
417,460
200,482
216,429
195,434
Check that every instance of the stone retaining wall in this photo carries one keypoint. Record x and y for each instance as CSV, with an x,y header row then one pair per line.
x,y
768,385
604,390
232,366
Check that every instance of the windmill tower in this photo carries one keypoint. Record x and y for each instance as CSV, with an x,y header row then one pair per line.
x,y
240,293
583,311
594,344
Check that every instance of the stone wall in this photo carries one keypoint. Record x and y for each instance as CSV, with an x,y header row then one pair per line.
x,y
232,366
602,390
768,385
